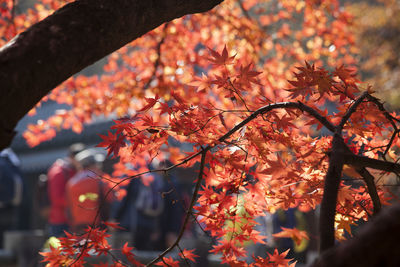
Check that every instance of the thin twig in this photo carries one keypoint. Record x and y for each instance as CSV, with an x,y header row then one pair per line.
x,y
293,105
396,132
238,93
380,106
351,110
192,202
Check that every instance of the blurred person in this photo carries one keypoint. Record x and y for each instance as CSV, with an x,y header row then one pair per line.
x,y
11,191
87,194
176,202
142,207
42,202
152,208
58,175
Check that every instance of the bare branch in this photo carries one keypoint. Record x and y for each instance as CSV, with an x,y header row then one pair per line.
x,y
366,162
373,193
291,105
380,106
189,211
351,110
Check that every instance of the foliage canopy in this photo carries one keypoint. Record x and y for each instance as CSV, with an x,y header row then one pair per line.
x,y
248,85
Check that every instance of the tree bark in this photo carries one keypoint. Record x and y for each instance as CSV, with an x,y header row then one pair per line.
x,y
329,199
74,37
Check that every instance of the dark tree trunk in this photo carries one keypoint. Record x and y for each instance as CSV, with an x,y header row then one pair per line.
x,y
331,189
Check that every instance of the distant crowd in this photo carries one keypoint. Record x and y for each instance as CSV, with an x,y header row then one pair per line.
x,y
72,196
78,198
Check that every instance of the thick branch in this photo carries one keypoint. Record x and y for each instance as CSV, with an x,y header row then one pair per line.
x,y
293,105
331,188
373,193
369,181
359,163
365,162
74,37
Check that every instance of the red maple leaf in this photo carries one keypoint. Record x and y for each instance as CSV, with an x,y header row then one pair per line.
x,y
127,251
150,103
247,75
295,234
114,225
279,259
113,142
168,262
188,254
220,59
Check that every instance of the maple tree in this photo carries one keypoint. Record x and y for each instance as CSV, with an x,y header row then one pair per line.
x,y
230,82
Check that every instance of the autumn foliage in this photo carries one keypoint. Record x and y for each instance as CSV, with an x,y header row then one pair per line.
x,y
267,95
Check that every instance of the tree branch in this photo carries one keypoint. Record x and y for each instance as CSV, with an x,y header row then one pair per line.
x,y
74,37
366,162
373,193
351,110
189,211
369,181
293,105
331,188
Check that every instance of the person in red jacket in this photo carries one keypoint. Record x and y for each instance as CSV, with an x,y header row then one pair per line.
x,y
88,197
58,175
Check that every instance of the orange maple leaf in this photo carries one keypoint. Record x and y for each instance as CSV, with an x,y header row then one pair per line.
x,y
127,251
114,225
220,59
113,142
188,254
168,262
295,234
150,103
279,259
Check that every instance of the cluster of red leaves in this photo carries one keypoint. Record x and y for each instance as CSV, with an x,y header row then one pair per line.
x,y
74,249
311,81
272,162
277,35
